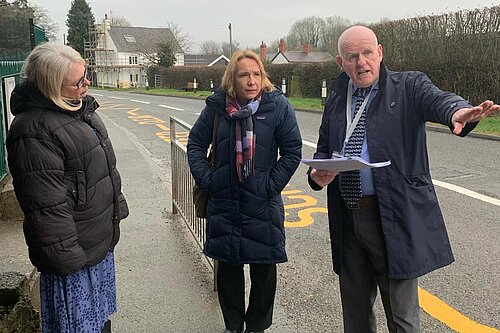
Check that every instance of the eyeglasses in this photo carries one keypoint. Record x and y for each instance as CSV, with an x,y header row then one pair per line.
x,y
86,76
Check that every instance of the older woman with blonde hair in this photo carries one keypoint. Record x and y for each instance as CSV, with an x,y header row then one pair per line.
x,y
245,215
65,179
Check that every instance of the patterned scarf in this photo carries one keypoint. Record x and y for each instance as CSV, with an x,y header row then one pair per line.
x,y
245,138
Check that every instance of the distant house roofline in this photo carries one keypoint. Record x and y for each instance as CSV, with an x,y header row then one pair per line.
x,y
217,60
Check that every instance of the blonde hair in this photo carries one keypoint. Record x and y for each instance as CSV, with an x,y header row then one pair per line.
x,y
229,79
47,66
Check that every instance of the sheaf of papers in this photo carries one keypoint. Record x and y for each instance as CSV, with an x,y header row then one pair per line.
x,y
343,164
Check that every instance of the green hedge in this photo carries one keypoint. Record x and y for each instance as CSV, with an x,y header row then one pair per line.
x,y
458,51
303,80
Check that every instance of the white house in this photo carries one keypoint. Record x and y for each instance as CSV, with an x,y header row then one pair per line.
x,y
119,56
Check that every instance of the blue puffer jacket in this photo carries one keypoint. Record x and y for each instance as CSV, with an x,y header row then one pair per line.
x,y
246,220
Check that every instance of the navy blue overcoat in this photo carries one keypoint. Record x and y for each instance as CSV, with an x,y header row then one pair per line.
x,y
415,235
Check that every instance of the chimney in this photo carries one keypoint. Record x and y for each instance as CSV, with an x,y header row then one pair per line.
x,y
307,48
282,46
263,52
106,23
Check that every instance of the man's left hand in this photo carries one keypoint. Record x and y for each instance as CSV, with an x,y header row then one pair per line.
x,y
472,115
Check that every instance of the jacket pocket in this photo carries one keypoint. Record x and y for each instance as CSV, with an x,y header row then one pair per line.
x,y
422,206
76,185
418,181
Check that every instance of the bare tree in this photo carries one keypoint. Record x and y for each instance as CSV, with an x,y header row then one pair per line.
x,y
307,30
42,18
210,47
227,50
183,39
119,21
333,28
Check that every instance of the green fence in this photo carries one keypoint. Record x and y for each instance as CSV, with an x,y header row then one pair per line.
x,y
9,75
39,35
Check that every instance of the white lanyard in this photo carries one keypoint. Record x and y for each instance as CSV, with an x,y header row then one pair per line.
x,y
351,125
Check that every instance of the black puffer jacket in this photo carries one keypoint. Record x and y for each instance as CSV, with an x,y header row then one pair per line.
x,y
64,174
246,220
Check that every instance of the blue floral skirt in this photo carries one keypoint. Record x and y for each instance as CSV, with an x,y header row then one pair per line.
x,y
80,302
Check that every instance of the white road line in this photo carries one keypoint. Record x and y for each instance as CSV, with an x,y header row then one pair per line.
x,y
447,186
310,144
116,97
97,95
142,102
170,107
467,192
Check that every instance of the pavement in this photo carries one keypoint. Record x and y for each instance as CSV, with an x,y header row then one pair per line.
x,y
164,283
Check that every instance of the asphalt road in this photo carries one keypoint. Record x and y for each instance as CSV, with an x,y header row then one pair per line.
x,y
462,297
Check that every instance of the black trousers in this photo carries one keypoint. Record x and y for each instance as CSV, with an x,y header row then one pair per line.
x,y
364,267
231,291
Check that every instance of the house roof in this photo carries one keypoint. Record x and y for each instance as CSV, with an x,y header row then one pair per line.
x,y
203,59
301,56
133,39
221,60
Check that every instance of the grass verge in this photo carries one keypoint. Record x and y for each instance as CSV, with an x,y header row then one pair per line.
x,y
490,125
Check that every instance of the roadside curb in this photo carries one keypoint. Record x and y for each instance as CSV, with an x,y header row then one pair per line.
x,y
472,134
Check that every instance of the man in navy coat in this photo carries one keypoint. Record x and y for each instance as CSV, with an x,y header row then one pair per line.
x,y
393,231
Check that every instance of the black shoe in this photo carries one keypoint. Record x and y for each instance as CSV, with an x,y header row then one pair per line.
x,y
231,331
247,331
107,327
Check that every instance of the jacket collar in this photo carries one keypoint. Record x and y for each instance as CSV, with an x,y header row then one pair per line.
x,y
218,99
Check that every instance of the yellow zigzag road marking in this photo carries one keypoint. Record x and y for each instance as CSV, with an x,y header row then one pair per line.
x,y
428,302
449,316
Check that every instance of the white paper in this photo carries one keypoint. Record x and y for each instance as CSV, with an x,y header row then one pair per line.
x,y
343,164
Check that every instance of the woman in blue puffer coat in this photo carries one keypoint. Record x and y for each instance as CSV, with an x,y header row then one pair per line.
x,y
245,214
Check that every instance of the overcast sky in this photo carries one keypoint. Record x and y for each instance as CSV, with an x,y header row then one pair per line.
x,y
252,21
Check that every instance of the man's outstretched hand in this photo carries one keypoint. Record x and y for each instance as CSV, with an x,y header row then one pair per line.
x,y
472,115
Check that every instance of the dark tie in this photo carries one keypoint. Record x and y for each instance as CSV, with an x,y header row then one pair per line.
x,y
350,181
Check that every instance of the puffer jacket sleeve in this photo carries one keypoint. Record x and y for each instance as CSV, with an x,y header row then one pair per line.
x,y
37,168
199,140
289,141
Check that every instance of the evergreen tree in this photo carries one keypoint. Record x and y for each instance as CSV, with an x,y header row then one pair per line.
x,y
80,18
165,55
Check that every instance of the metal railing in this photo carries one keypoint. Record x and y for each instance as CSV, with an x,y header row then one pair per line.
x,y
183,182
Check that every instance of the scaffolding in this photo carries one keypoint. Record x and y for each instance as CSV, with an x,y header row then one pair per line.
x,y
107,67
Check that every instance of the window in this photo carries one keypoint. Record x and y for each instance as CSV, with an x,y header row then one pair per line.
x,y
132,60
134,77
129,38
